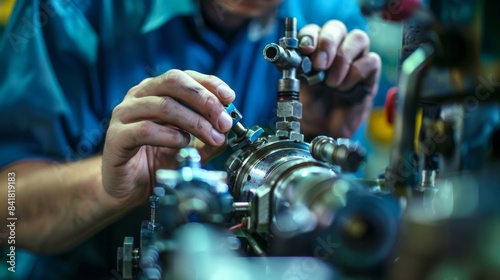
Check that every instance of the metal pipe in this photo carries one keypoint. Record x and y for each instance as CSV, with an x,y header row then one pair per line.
x,y
290,27
402,175
282,58
347,155
241,207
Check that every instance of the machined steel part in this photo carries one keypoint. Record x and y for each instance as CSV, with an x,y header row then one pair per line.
x,y
344,152
126,258
153,200
250,170
244,136
284,193
287,59
250,167
190,192
284,58
402,175
306,199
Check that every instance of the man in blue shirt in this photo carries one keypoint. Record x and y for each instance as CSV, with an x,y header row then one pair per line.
x,y
92,103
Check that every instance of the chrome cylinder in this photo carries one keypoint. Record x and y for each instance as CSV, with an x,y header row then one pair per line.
x,y
253,166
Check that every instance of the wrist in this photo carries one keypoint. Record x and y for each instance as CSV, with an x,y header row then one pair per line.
x,y
104,199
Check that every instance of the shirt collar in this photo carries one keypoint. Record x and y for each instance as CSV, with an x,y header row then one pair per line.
x,y
164,10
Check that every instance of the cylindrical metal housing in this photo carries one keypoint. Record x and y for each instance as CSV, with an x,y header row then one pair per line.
x,y
291,27
251,167
295,197
343,152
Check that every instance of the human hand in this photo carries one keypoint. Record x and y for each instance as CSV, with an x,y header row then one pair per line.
x,y
152,123
342,102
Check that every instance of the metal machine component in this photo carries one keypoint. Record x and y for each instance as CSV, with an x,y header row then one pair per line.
x,y
287,59
189,194
291,198
195,193
289,191
402,174
244,136
343,152
241,207
153,200
127,257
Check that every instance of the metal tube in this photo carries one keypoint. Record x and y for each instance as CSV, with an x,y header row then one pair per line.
x,y
239,130
282,58
290,27
241,207
348,156
402,174
254,245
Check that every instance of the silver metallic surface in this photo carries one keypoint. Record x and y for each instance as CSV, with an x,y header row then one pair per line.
x,y
246,137
290,27
290,108
287,59
125,258
191,192
153,200
401,174
315,78
429,178
281,57
347,154
241,207
249,168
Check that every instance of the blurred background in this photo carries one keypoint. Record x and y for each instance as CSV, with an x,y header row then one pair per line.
x,y
376,135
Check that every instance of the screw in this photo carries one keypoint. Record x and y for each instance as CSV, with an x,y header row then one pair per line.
x,y
153,199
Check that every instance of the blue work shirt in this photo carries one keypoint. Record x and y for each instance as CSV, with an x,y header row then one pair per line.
x,y
66,64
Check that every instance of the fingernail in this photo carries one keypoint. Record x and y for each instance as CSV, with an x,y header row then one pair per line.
x,y
218,137
225,122
320,60
306,41
225,91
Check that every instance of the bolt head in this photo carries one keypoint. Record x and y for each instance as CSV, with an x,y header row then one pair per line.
x,y
305,65
315,79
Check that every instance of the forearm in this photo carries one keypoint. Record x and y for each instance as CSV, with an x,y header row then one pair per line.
x,y
58,205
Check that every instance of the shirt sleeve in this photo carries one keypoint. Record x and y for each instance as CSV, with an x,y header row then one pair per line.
x,y
47,52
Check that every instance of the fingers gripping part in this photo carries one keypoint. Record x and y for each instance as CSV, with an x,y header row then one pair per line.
x,y
150,133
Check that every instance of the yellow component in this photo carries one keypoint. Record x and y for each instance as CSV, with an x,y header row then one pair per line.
x,y
418,124
378,128
382,132
356,228
5,9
